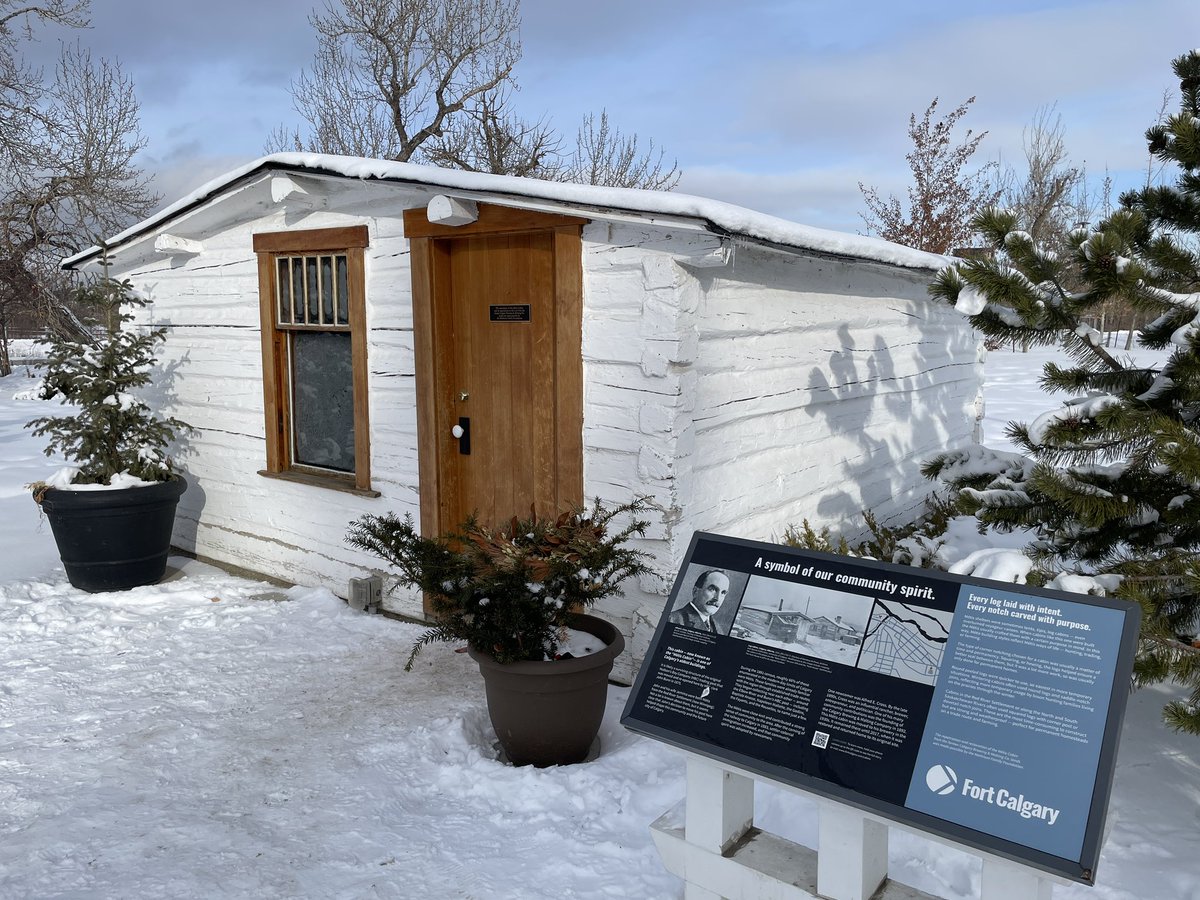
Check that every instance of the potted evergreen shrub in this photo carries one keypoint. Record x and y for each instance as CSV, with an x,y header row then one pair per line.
x,y
516,596
113,509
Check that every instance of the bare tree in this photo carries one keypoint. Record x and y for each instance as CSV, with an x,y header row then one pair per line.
x,y
432,81
21,87
69,145
943,199
491,138
388,76
605,156
1052,198
1155,165
1046,194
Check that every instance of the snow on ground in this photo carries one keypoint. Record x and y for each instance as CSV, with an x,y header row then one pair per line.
x,y
1011,392
193,739
215,737
26,545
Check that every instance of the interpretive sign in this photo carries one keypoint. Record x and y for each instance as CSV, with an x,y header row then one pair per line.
x,y
983,712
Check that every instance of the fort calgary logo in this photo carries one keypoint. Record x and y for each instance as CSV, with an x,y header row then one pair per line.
x,y
944,781
941,780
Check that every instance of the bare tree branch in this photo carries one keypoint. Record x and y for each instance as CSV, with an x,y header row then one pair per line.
x,y
68,147
1045,195
432,81
387,76
490,138
605,156
943,199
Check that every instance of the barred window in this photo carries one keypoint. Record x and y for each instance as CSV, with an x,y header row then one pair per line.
x,y
314,355
312,290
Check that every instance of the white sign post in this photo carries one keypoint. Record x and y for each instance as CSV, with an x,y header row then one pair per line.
x,y
709,840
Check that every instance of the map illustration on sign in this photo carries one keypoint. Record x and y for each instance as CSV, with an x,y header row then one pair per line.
x,y
905,641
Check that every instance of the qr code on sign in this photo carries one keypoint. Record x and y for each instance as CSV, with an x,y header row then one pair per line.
x,y
821,739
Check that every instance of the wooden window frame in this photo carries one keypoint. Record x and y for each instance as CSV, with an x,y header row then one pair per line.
x,y
277,389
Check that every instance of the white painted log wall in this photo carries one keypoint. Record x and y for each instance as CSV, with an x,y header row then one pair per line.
x,y
821,386
209,305
635,384
797,387
739,399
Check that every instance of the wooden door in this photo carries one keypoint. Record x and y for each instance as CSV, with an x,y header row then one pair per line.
x,y
497,322
495,374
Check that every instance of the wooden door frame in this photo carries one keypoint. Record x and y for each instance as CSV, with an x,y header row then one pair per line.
x,y
423,238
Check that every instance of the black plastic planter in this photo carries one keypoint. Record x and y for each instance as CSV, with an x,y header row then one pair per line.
x,y
114,540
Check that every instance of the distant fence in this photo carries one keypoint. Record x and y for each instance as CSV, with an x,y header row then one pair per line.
x,y
26,351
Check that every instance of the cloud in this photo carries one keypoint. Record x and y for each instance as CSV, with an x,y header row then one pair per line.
x,y
781,106
824,197
184,170
1098,61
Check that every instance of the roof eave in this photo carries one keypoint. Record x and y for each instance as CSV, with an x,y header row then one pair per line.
x,y
516,198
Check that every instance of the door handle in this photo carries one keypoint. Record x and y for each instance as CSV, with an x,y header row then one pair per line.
x,y
462,431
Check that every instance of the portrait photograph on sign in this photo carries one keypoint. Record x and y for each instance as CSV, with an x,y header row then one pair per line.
x,y
981,712
709,600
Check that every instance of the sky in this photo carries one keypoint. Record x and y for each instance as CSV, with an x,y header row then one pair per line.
x,y
783,107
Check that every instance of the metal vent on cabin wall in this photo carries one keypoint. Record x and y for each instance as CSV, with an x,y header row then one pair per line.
x,y
366,594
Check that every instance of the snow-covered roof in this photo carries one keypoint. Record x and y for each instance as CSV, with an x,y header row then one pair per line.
x,y
721,218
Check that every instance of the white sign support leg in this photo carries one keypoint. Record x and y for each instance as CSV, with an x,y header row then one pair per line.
x,y
720,809
711,843
853,853
1002,880
720,806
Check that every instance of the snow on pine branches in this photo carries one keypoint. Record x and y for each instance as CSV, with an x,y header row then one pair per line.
x,y
1112,487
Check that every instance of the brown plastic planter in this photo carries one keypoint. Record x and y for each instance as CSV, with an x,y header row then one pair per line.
x,y
548,713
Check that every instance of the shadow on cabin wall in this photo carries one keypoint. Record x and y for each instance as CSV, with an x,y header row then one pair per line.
x,y
886,389
865,393
160,394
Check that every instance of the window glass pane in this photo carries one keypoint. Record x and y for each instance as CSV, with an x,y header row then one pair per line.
x,y
343,316
298,288
327,288
310,282
323,400
284,284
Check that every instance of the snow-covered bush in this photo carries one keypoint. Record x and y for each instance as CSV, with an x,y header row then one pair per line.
x,y
917,543
508,592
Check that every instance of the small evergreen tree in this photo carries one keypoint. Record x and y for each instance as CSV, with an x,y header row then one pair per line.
x,y
112,430
1109,481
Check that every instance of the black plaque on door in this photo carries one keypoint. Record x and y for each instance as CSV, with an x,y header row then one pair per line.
x,y
509,312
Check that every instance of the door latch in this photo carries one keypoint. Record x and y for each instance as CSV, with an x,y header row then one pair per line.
x,y
462,431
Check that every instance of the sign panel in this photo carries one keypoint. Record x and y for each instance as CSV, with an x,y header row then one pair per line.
x,y
509,312
984,712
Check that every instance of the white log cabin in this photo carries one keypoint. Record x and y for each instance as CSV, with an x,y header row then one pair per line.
x,y
331,320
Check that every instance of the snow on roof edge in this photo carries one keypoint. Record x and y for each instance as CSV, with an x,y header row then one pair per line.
x,y
723,217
